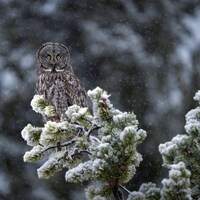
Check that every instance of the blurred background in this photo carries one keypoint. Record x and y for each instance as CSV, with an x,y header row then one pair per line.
x,y
145,53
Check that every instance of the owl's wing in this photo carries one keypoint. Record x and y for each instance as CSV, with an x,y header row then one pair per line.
x,y
77,94
80,98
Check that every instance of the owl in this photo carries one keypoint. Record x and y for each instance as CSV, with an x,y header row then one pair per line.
x,y
56,79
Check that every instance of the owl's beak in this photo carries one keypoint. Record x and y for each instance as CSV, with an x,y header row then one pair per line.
x,y
53,63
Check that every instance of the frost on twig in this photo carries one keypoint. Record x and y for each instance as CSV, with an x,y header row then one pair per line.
x,y
182,156
147,191
107,136
178,184
109,139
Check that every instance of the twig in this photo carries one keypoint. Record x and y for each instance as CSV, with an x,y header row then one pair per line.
x,y
92,129
79,152
121,186
85,151
61,145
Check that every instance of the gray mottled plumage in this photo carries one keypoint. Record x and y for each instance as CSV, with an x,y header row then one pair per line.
x,y
56,79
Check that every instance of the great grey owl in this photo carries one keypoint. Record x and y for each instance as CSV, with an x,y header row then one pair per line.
x,y
56,79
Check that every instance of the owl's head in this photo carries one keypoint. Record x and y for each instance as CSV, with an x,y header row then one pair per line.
x,y
53,57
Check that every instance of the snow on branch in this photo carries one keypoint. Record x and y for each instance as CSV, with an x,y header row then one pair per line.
x,y
178,184
107,136
182,156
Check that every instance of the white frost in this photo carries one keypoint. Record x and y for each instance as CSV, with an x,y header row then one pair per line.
x,y
197,96
34,155
76,112
38,104
80,173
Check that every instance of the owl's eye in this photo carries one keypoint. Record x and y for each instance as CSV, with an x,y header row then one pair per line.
x,y
48,57
58,57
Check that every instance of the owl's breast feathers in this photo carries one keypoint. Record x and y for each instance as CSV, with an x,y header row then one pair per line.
x,y
61,91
